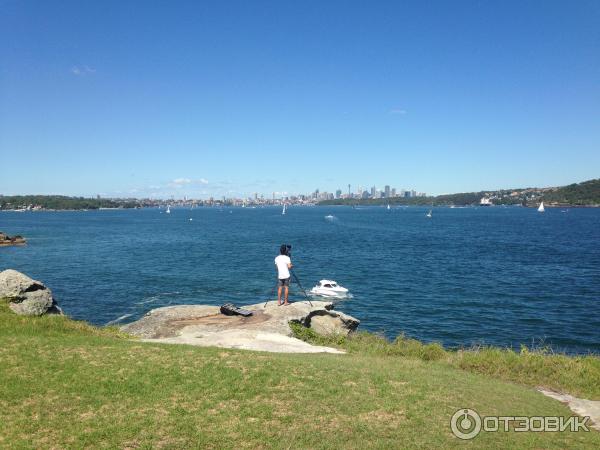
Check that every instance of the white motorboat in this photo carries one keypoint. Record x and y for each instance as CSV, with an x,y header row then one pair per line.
x,y
329,288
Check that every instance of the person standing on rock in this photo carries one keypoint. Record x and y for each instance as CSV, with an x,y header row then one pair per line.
x,y
284,264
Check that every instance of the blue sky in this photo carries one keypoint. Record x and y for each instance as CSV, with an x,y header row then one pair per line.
x,y
230,98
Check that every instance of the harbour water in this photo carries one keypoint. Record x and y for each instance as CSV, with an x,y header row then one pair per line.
x,y
492,276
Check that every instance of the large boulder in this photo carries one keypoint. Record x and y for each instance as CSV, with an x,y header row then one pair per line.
x,y
329,322
27,297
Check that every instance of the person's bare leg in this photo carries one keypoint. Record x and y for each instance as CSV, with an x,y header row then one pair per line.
x,y
287,290
279,295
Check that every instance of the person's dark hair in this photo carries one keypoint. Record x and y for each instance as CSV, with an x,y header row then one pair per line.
x,y
283,249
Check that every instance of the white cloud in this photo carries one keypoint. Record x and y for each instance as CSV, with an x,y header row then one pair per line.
x,y
183,186
179,182
398,111
82,70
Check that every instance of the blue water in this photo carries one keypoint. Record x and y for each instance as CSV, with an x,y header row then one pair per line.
x,y
498,276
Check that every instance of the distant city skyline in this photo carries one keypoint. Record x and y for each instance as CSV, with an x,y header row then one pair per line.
x,y
177,189
209,99
321,194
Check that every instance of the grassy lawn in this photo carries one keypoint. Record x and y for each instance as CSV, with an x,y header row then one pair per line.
x,y
65,384
575,375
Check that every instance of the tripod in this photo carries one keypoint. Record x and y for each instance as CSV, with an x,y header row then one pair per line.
x,y
297,281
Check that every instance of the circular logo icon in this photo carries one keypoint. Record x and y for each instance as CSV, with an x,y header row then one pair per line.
x,y
465,424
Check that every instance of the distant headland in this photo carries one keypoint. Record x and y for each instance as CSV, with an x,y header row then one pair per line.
x,y
582,194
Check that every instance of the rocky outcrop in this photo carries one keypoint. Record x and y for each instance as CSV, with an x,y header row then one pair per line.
x,y
580,406
266,330
6,240
328,322
26,296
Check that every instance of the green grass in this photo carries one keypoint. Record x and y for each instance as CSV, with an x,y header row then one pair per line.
x,y
576,375
65,384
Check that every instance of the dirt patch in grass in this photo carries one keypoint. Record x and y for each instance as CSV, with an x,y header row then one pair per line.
x,y
382,416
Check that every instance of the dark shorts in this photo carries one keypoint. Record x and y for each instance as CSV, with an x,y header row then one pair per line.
x,y
284,282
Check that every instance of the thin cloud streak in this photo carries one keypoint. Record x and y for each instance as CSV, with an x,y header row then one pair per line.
x,y
201,188
82,70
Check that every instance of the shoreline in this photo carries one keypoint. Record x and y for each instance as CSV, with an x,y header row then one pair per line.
x,y
349,205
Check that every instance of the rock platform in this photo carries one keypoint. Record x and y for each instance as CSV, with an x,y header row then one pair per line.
x,y
266,330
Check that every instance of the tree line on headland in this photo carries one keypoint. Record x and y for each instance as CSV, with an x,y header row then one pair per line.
x,y
586,193
61,202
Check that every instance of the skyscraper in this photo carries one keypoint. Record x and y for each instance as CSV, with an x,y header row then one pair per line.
x,y
387,191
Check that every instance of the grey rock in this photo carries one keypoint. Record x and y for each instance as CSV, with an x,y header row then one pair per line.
x,y
266,330
331,322
27,297
580,406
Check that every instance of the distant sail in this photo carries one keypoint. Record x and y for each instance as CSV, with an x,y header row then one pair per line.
x,y
541,208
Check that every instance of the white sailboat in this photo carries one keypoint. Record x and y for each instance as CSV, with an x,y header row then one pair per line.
x,y
284,209
541,207
388,207
168,211
430,211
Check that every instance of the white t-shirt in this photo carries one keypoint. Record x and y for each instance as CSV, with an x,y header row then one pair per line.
x,y
282,262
